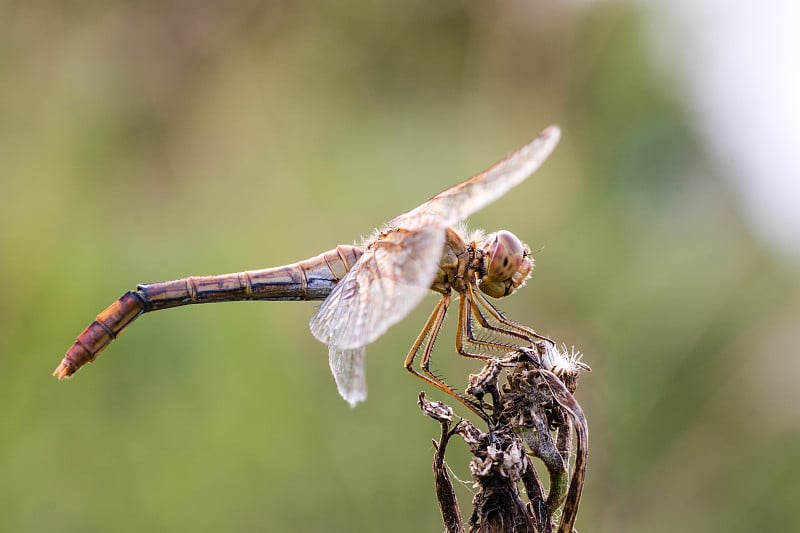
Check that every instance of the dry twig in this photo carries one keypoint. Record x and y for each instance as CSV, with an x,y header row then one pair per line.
x,y
533,416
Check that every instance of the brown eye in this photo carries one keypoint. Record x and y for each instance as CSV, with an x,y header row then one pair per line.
x,y
505,253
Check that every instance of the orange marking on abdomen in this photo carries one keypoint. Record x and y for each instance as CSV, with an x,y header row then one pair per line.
x,y
105,328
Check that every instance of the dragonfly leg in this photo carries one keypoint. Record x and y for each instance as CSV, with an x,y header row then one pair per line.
x,y
484,322
464,332
428,336
468,308
508,325
429,332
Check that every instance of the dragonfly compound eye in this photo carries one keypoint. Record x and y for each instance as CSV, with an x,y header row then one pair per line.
x,y
507,266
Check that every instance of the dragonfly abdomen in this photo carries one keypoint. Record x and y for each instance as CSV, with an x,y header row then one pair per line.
x,y
105,328
312,279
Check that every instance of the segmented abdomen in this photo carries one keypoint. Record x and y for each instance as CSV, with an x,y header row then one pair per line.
x,y
312,279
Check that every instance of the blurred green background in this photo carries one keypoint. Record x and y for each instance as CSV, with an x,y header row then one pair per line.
x,y
144,143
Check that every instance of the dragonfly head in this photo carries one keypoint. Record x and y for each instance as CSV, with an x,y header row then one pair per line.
x,y
508,264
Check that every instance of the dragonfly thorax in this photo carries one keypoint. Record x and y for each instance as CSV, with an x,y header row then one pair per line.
x,y
508,264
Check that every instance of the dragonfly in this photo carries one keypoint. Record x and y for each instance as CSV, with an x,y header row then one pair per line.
x,y
365,289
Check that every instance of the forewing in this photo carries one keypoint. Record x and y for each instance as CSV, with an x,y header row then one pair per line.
x,y
460,201
349,372
391,277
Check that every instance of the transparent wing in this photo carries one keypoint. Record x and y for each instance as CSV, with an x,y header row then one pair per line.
x,y
348,370
460,201
391,277
397,268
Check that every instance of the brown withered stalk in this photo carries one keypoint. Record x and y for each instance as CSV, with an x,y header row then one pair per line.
x,y
533,416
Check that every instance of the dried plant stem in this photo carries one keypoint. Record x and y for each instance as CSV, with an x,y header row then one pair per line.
x,y
533,417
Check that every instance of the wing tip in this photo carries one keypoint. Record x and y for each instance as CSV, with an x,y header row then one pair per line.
x,y
547,140
538,149
530,157
353,399
552,134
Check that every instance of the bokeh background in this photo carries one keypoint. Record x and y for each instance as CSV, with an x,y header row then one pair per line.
x,y
147,142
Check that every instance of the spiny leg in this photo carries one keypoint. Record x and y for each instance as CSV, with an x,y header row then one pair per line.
x,y
466,309
440,309
487,325
430,331
500,317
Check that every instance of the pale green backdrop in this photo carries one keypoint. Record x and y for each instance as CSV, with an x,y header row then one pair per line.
x,y
143,143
